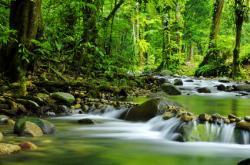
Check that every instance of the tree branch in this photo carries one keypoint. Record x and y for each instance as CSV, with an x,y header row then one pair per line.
x,y
112,13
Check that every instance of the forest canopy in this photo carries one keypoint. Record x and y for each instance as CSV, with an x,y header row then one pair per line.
x,y
187,37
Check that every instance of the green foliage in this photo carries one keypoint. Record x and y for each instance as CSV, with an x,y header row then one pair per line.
x,y
140,35
214,69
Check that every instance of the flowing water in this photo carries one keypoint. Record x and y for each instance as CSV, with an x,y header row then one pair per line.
x,y
115,142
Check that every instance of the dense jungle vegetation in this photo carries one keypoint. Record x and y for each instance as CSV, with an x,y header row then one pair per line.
x,y
124,82
187,37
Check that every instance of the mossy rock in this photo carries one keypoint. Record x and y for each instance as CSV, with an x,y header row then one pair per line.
x,y
6,149
30,129
203,90
142,112
245,87
244,125
46,126
66,98
170,89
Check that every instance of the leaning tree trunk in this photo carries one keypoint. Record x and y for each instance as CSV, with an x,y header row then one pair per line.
x,y
25,19
239,18
212,53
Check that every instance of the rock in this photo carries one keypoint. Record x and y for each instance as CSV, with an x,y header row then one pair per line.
x,y
245,87
204,117
170,89
42,96
86,121
178,82
224,81
123,93
85,108
226,120
243,93
76,106
46,126
142,112
28,146
215,118
244,162
29,129
243,125
168,115
10,122
63,97
229,88
186,117
221,87
247,82
204,90
4,106
6,149
247,118
3,119
1,136
232,118
189,80
29,104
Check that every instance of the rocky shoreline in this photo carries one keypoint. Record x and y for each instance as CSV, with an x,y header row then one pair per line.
x,y
56,99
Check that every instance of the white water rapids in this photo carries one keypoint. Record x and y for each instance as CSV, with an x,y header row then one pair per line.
x,y
108,126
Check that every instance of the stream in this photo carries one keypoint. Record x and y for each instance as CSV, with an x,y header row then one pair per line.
x,y
116,142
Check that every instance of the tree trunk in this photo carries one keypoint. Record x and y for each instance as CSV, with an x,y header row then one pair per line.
x,y
90,31
25,19
190,52
212,53
178,28
166,47
239,18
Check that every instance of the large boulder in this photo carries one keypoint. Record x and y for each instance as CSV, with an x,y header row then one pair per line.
x,y
221,87
6,149
142,112
245,87
46,126
28,128
170,89
244,162
66,98
178,82
203,90
243,125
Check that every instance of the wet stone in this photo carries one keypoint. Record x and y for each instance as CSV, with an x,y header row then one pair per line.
x,y
247,118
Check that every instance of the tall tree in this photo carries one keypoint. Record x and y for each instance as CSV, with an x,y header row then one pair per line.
x,y
240,10
212,53
90,11
25,19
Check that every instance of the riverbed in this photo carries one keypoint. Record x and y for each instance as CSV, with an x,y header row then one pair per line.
x,y
116,142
